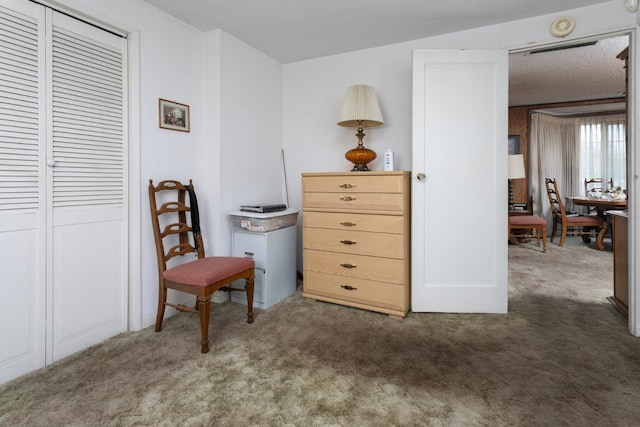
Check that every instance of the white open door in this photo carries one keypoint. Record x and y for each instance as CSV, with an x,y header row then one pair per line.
x,y
459,215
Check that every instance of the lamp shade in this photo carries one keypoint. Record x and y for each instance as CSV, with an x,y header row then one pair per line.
x,y
360,107
516,166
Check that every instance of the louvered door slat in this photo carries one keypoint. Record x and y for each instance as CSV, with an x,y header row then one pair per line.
x,y
19,121
87,86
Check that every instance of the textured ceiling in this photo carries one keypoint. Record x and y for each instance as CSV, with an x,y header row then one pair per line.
x,y
295,30
574,74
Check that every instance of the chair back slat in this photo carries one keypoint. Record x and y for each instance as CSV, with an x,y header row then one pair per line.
x,y
170,185
175,228
172,207
179,250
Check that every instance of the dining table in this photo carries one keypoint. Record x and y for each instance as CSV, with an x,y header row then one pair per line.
x,y
601,204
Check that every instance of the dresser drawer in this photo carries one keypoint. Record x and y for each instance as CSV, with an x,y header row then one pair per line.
x,y
356,222
362,267
367,292
365,183
355,242
387,202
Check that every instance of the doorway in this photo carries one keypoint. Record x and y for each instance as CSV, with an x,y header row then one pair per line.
x,y
583,77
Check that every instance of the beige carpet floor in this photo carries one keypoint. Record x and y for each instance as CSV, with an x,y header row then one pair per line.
x,y
561,357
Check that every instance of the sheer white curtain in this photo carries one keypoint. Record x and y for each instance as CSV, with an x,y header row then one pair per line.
x,y
603,149
553,154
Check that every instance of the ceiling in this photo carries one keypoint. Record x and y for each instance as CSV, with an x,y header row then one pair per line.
x,y
569,74
296,30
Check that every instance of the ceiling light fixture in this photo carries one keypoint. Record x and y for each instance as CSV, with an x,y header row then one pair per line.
x,y
562,26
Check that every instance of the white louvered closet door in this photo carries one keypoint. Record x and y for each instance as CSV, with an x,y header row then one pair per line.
x,y
63,246
86,166
22,206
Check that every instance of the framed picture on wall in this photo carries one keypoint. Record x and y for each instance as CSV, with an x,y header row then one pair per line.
x,y
514,144
173,115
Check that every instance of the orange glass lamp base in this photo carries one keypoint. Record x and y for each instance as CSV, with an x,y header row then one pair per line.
x,y
360,156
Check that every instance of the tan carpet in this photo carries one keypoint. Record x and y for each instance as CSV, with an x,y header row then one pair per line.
x,y
562,356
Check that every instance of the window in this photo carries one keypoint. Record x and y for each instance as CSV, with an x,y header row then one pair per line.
x,y
603,149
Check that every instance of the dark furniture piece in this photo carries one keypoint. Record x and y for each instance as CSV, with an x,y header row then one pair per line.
x,y
620,236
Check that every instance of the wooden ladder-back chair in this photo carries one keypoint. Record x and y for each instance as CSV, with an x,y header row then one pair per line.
x,y
596,187
200,277
586,226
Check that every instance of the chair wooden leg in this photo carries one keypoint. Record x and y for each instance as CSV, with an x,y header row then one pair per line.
x,y
249,288
563,235
204,307
162,300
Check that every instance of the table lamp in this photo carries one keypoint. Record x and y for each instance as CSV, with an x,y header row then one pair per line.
x,y
515,170
360,109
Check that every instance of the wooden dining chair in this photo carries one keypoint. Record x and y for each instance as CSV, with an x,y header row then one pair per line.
x,y
595,187
177,235
528,226
586,226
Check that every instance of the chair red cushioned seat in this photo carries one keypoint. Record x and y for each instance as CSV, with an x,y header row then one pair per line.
x,y
526,220
205,271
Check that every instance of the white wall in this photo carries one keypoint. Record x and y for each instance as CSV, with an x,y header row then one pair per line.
x,y
313,90
251,132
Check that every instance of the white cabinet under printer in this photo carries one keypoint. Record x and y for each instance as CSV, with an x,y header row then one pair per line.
x,y
274,253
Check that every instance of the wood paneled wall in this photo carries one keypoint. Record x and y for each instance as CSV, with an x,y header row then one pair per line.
x,y
519,122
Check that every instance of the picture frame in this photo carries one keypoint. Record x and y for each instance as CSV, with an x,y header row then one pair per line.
x,y
174,115
514,144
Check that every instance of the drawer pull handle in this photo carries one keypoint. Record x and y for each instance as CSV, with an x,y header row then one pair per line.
x,y
348,224
348,265
347,198
348,242
347,185
348,287
248,255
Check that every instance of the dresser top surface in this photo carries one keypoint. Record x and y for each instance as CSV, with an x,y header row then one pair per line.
x,y
370,173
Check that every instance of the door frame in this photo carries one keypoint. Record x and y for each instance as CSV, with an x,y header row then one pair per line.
x,y
633,163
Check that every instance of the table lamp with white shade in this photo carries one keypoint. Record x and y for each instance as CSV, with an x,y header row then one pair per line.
x,y
360,109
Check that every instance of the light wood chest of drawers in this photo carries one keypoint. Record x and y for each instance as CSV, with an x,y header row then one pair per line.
x,y
356,239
